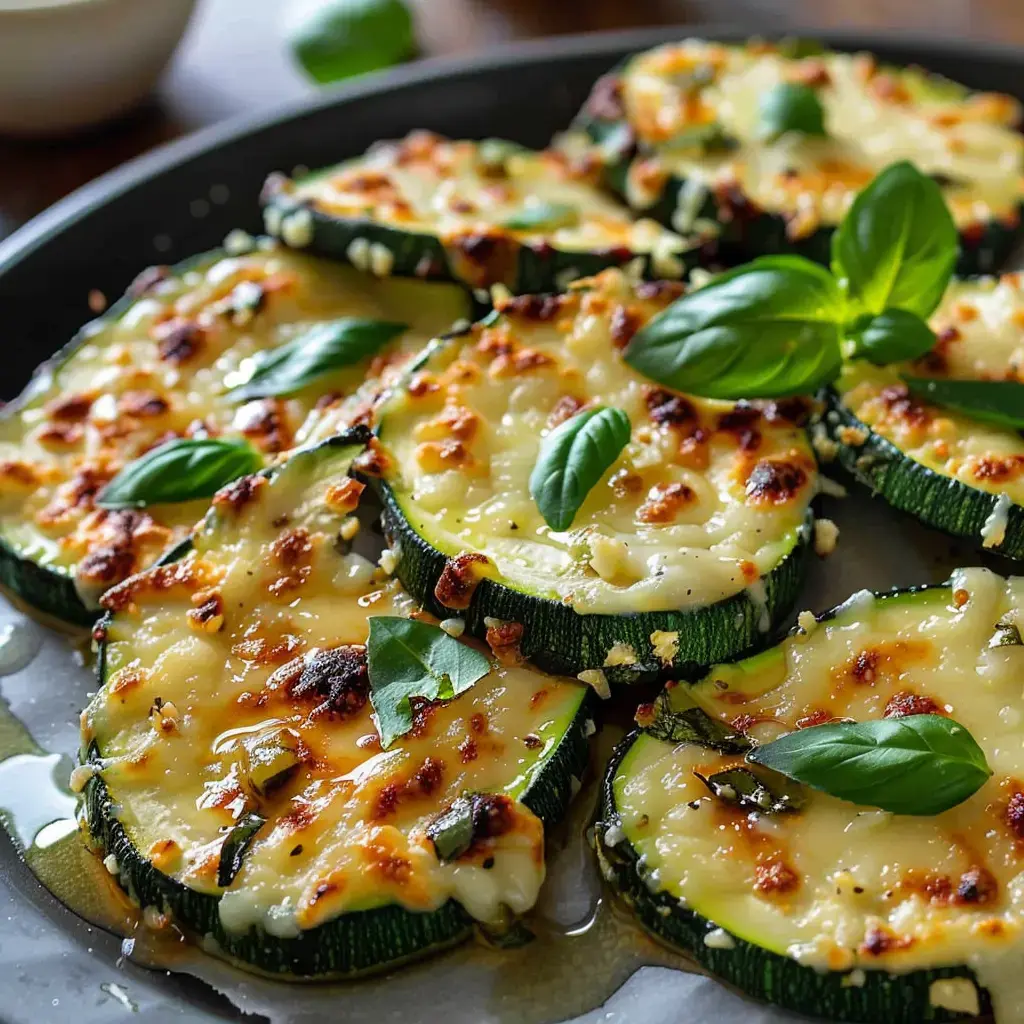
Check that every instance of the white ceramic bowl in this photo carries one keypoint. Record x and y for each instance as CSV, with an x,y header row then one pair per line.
x,y
65,64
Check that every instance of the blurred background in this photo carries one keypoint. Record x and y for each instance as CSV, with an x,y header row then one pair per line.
x,y
238,56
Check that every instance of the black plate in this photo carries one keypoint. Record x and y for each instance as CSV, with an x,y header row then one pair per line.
x,y
144,213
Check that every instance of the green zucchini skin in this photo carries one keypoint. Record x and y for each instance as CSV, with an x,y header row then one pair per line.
x,y
351,944
560,640
883,998
934,499
423,256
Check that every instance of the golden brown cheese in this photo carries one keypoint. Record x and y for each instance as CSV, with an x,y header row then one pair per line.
x,y
980,331
874,116
254,641
160,370
463,193
836,886
705,499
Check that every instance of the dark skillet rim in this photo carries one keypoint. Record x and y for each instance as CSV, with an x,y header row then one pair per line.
x,y
137,172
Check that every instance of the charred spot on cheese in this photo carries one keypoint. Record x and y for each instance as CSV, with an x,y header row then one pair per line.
x,y
161,364
833,888
257,809
945,467
649,122
482,213
707,499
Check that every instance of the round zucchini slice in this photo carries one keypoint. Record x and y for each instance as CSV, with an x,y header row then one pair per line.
x,y
161,364
948,469
258,810
688,550
696,131
482,213
829,908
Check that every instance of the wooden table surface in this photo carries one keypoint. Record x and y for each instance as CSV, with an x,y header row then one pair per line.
x,y
233,61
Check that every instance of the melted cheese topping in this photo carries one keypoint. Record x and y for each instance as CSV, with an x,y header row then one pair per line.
x,y
836,886
980,330
160,369
874,116
705,499
464,193
212,656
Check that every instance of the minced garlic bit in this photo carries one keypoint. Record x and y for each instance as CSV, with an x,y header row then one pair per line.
x,y
719,938
666,645
238,242
297,228
960,995
614,834
807,622
349,528
993,532
620,654
453,627
855,979
153,918
826,533
80,775
825,448
388,560
358,253
597,680
382,260
110,863
830,487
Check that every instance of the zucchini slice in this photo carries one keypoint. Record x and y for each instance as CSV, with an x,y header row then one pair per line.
x,y
946,468
156,366
689,549
836,910
257,810
482,213
681,129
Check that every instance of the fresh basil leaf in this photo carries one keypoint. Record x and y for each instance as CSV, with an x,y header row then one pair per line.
x,y
236,844
790,107
180,470
897,245
707,138
920,765
321,349
750,792
572,458
334,39
543,216
452,830
764,330
893,336
407,659
691,724
494,152
991,401
1007,634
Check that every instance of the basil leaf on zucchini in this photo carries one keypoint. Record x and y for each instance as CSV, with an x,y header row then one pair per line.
x,y
707,138
790,107
765,330
897,246
237,842
690,724
543,216
992,401
918,765
408,659
320,350
749,792
180,470
893,336
573,458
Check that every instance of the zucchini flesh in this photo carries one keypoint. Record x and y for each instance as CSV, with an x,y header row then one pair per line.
x,y
946,468
837,910
651,118
274,762
158,365
482,213
688,550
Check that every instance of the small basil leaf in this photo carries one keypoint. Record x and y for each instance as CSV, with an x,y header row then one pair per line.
x,y
572,458
790,107
893,336
236,844
920,765
321,349
707,138
749,792
691,724
897,245
991,401
1007,634
333,39
407,659
451,831
543,216
764,330
180,470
